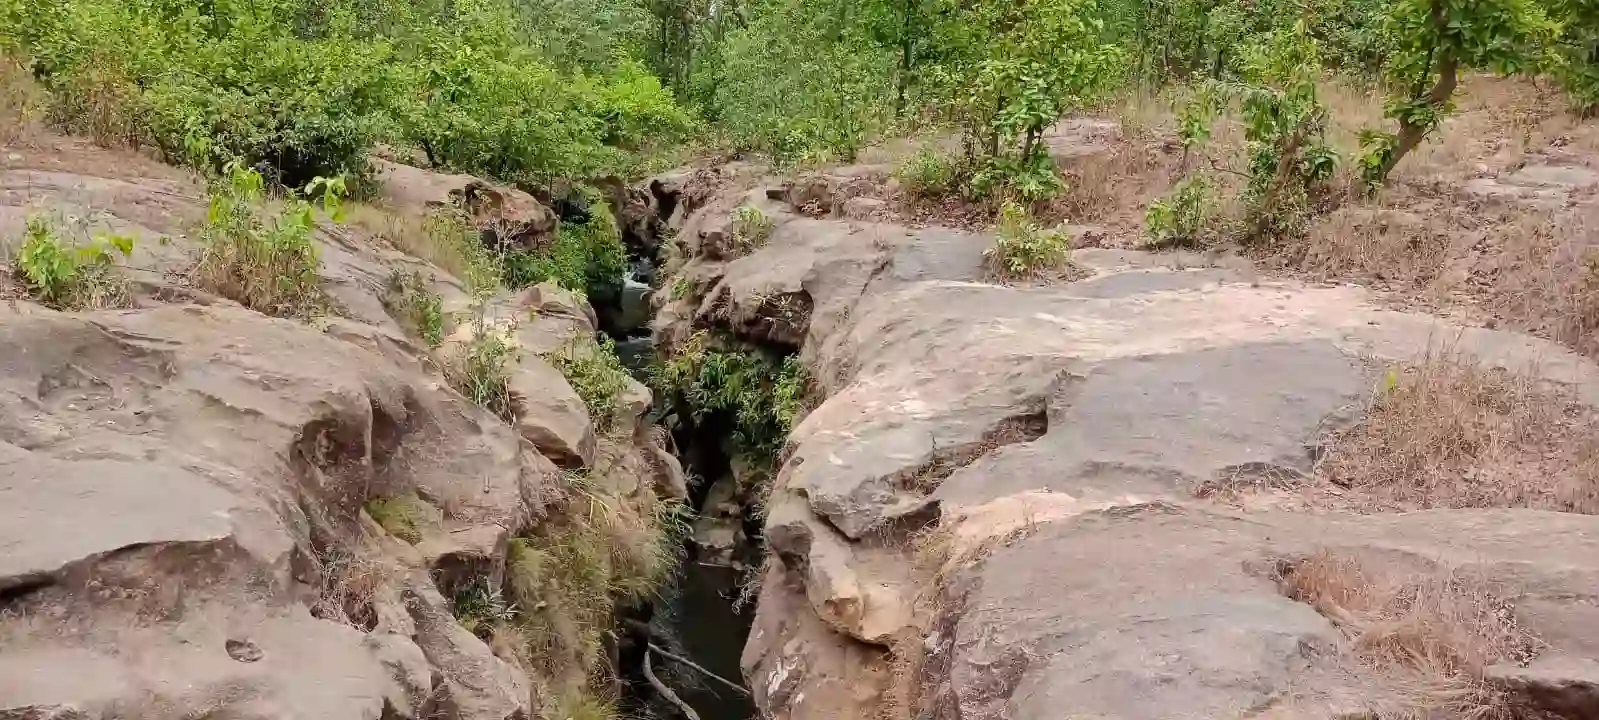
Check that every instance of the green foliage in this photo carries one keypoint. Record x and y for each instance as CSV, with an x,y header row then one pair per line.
x,y
596,373
587,258
681,288
263,259
803,82
303,88
761,396
1285,127
1022,249
402,516
928,174
1577,51
480,607
66,277
751,229
480,369
412,300
1431,42
1183,217
1011,68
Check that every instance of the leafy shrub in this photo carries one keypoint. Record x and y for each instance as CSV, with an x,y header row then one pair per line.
x,y
72,278
927,174
1023,250
416,306
751,229
262,259
1182,218
588,258
596,373
480,369
762,396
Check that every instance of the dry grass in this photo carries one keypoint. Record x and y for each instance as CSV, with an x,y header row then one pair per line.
x,y
1430,635
350,583
568,574
22,101
1446,432
444,239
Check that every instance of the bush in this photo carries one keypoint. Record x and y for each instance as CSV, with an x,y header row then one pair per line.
x,y
596,373
587,258
1024,250
480,369
416,306
927,175
751,229
760,395
262,259
66,277
1182,218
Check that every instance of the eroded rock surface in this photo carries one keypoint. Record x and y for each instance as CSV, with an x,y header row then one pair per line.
x,y
1062,444
187,485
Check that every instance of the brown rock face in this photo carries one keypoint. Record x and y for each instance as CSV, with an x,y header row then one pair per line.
x,y
1005,507
207,512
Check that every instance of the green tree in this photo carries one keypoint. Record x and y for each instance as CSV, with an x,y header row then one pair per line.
x,y
1578,48
1012,68
1431,41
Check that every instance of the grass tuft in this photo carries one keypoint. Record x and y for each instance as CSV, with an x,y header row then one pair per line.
x,y
1447,432
261,259
420,310
1022,250
1430,635
751,229
480,369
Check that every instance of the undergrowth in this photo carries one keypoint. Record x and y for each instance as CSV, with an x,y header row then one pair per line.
x,y
1023,250
596,374
751,229
585,257
420,310
761,395
480,369
1447,432
263,258
567,574
67,276
1431,634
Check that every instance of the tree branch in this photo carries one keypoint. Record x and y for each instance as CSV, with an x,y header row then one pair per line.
x,y
737,687
666,692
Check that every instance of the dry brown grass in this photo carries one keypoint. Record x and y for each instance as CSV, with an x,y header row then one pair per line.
x,y
1429,635
1446,432
22,102
350,584
443,239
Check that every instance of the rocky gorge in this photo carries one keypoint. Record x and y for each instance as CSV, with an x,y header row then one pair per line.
x,y
1102,496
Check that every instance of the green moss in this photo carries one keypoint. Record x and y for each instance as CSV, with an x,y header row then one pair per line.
x,y
402,516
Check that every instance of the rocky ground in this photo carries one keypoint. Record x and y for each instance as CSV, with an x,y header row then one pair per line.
x,y
1108,498
187,482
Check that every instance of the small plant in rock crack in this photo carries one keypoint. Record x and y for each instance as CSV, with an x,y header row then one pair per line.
x,y
1022,249
479,607
751,229
480,369
596,374
70,277
265,260
681,287
416,306
928,174
1183,217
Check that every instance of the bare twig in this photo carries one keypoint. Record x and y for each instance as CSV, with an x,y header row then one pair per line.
x,y
666,692
740,688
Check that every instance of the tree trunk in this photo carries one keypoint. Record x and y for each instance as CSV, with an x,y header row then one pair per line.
x,y
1411,134
905,45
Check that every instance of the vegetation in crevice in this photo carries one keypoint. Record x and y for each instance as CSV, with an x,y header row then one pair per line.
x,y
1023,250
479,368
584,257
72,276
565,576
259,252
404,516
596,373
760,396
412,301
